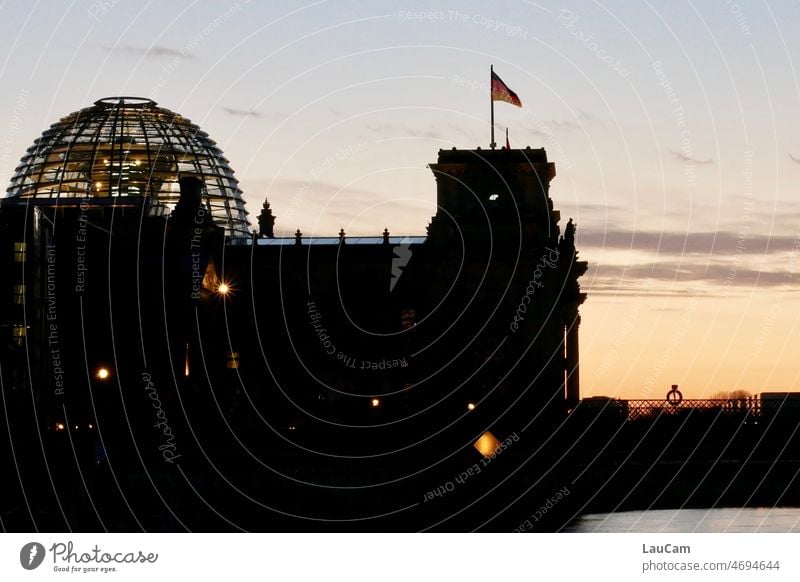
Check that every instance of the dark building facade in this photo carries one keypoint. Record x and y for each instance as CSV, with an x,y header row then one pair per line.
x,y
159,358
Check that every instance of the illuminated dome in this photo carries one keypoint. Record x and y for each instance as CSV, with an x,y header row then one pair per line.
x,y
129,147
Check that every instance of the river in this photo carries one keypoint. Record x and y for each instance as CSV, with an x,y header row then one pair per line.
x,y
721,520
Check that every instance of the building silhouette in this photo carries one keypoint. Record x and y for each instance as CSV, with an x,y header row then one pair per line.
x,y
153,338
167,365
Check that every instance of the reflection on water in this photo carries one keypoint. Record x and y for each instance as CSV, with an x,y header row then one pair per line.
x,y
773,520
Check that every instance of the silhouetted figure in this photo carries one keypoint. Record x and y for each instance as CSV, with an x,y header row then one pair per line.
x,y
193,240
189,212
569,232
190,228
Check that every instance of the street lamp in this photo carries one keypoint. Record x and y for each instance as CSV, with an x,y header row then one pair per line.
x,y
487,444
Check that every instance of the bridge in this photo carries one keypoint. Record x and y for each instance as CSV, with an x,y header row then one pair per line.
x,y
767,405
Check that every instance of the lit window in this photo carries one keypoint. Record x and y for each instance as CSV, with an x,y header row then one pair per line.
x,y
211,280
494,197
232,360
19,294
408,318
18,334
20,252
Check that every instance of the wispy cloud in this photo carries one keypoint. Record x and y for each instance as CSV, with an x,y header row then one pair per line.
x,y
607,213
721,243
582,120
389,130
457,128
680,156
241,112
551,128
609,277
151,52
795,159
689,263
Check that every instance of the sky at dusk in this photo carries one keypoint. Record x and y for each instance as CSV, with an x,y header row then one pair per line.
x,y
673,127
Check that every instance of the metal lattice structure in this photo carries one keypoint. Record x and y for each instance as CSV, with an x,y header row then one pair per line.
x,y
652,408
768,405
128,147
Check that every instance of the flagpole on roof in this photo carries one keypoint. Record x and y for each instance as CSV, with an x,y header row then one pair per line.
x,y
491,101
499,91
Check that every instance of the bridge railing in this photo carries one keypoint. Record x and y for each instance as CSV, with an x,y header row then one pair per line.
x,y
650,408
786,408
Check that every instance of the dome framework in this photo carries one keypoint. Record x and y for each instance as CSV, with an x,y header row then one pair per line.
x,y
129,147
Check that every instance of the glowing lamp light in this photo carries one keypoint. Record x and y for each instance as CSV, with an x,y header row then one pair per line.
x,y
376,402
232,360
223,289
487,444
470,406
60,426
103,373
91,427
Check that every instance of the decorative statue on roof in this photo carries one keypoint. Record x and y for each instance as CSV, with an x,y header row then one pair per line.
x,y
569,233
266,221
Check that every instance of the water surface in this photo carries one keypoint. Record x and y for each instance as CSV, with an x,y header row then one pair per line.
x,y
746,520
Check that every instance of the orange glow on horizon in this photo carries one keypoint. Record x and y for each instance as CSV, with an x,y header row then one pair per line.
x,y
636,347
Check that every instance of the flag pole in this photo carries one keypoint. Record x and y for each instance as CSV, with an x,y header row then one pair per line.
x,y
491,102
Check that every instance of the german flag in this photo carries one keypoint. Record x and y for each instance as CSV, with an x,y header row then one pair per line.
x,y
501,92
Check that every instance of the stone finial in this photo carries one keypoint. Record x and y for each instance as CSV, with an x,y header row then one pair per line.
x,y
266,221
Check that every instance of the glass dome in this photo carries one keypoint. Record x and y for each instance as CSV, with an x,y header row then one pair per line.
x,y
129,147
